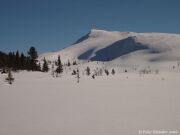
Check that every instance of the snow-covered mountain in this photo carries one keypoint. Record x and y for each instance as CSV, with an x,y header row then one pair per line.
x,y
141,96
100,45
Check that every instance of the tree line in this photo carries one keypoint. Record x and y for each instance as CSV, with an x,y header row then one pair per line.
x,y
16,61
20,61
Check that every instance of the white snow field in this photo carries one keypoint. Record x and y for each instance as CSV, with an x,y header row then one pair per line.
x,y
127,103
38,104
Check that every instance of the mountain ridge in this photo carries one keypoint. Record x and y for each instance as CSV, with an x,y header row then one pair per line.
x,y
101,45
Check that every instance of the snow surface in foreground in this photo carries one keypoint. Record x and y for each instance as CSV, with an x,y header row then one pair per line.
x,y
37,104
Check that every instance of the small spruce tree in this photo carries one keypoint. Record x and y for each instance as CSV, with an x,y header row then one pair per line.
x,y
74,63
45,67
59,68
52,70
88,71
33,55
22,61
74,72
100,72
9,78
78,76
38,67
17,61
68,64
106,71
113,72
93,76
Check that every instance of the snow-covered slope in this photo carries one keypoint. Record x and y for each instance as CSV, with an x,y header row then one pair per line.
x,y
100,45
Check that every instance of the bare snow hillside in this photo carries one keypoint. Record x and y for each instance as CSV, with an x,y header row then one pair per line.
x,y
100,45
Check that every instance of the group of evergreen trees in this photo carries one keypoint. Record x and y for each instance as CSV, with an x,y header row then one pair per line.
x,y
17,61
59,67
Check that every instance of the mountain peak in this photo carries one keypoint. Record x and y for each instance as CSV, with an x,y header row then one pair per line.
x,y
98,32
95,30
93,33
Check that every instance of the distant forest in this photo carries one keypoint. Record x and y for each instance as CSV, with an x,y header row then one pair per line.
x,y
20,61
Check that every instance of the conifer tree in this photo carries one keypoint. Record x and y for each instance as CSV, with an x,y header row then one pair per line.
x,y
106,71
9,78
74,72
113,72
38,68
59,66
17,61
22,61
3,59
28,63
78,76
74,63
10,60
93,76
100,72
45,67
88,71
33,55
52,70
69,63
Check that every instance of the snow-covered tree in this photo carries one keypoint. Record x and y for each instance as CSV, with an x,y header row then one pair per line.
x,y
9,78
100,72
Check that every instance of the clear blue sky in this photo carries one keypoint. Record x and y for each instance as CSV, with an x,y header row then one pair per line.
x,y
50,25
